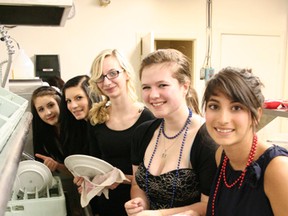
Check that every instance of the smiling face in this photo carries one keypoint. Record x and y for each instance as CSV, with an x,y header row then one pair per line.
x,y
228,122
116,86
77,102
47,109
161,92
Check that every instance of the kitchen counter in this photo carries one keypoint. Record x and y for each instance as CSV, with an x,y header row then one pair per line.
x,y
271,114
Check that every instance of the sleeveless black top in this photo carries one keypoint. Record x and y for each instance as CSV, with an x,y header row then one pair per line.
x,y
190,182
250,199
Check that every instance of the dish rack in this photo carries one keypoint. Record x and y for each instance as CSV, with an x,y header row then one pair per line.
x,y
12,108
49,202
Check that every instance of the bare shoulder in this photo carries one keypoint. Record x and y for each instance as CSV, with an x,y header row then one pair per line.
x,y
275,184
278,167
276,176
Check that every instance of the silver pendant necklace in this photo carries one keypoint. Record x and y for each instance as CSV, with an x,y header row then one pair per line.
x,y
164,154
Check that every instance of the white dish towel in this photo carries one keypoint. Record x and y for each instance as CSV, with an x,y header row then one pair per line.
x,y
98,185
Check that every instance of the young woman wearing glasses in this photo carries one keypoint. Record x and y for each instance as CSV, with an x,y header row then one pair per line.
x,y
113,122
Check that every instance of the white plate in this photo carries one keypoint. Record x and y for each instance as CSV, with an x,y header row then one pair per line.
x,y
32,176
86,170
84,165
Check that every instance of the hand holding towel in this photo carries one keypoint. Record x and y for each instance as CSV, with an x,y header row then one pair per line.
x,y
99,185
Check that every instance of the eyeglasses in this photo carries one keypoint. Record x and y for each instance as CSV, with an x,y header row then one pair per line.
x,y
110,75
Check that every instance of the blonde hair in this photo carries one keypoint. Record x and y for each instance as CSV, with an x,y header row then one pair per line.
x,y
99,113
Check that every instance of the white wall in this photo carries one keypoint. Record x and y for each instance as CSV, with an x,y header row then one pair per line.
x,y
116,26
121,23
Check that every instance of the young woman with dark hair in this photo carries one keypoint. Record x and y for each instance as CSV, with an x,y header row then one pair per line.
x,y
46,127
252,174
74,108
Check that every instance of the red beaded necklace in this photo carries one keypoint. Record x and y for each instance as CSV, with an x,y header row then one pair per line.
x,y
240,178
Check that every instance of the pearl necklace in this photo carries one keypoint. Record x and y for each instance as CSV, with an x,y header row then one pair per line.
x,y
240,178
161,130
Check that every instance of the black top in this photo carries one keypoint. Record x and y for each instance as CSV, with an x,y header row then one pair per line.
x,y
48,144
115,148
250,199
74,136
190,183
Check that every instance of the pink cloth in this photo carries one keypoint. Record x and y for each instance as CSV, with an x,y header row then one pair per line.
x,y
99,185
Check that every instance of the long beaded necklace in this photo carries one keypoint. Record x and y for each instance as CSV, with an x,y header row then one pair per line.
x,y
161,130
240,178
182,129
164,154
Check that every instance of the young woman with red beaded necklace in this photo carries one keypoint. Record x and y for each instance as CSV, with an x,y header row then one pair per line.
x,y
252,175
173,156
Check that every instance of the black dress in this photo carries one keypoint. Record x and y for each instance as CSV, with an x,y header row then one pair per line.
x,y
115,148
250,199
190,183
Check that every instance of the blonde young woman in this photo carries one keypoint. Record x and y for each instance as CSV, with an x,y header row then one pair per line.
x,y
173,156
113,122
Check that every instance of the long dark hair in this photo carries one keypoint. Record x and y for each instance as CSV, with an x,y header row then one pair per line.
x,y
46,139
74,132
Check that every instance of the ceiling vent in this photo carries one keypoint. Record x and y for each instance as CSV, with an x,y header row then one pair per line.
x,y
35,12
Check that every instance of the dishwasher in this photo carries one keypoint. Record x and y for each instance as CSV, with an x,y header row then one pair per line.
x,y
47,203
15,123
